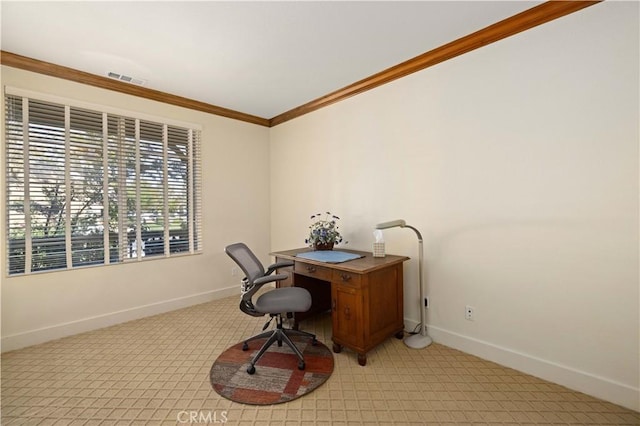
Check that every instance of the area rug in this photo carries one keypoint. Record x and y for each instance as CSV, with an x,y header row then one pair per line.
x,y
277,378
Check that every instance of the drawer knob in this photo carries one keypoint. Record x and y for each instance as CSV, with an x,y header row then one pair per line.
x,y
311,269
345,277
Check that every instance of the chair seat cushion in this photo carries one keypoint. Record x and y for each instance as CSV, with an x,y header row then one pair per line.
x,y
287,299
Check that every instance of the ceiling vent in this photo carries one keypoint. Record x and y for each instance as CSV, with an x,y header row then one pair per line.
x,y
126,78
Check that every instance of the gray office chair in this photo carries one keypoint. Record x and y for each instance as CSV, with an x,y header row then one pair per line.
x,y
285,300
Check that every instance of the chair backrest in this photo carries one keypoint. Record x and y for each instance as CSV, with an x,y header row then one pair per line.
x,y
252,268
246,260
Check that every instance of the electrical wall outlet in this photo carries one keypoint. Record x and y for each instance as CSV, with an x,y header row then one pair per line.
x,y
469,313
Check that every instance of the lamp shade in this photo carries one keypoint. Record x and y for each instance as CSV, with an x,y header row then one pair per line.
x,y
392,224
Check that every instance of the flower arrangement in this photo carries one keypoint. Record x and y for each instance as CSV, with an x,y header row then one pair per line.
x,y
324,232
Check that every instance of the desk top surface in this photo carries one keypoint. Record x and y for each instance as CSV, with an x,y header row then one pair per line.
x,y
364,264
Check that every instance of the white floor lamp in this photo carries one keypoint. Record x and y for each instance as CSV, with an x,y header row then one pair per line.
x,y
419,340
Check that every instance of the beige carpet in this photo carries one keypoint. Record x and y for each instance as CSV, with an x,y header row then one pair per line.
x,y
156,371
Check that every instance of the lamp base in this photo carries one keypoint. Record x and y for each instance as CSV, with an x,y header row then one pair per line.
x,y
418,341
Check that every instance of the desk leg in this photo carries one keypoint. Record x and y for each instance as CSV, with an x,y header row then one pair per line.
x,y
362,359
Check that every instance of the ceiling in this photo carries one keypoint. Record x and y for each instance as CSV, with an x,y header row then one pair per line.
x,y
260,58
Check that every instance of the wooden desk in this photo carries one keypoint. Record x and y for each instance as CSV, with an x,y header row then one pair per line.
x,y
364,296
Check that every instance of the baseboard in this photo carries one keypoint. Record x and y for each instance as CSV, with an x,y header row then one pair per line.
x,y
45,334
581,381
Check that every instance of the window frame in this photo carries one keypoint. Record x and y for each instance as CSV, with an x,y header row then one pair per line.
x,y
191,180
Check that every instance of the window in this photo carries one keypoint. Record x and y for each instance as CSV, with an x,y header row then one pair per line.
x,y
87,187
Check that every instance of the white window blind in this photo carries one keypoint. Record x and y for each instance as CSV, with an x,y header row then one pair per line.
x,y
87,187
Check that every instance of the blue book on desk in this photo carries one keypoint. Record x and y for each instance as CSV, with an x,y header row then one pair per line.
x,y
329,256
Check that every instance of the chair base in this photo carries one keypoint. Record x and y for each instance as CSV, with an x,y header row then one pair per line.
x,y
280,334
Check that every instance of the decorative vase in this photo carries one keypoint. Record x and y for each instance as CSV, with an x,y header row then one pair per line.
x,y
323,246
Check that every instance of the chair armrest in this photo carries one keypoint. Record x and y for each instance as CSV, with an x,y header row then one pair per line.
x,y
269,278
277,265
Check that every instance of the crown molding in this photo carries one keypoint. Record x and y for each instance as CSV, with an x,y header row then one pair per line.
x,y
523,21
47,68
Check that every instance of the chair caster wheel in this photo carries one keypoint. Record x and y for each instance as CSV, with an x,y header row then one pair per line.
x,y
251,369
245,347
301,365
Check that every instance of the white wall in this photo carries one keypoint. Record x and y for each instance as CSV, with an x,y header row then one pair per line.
x,y
519,164
43,306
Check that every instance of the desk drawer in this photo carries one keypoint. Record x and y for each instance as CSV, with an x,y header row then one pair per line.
x,y
314,271
346,277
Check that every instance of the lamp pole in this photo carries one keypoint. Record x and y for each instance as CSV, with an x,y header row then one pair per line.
x,y
418,340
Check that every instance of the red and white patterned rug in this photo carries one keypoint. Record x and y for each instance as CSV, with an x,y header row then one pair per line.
x,y
277,378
